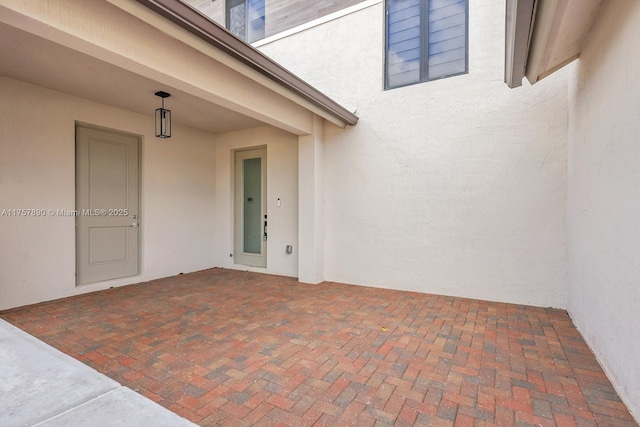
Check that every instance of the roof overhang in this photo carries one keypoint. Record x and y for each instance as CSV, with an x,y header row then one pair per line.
x,y
120,52
211,32
543,36
520,16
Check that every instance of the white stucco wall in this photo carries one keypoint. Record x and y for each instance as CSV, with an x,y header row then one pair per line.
x,y
603,203
37,170
282,183
453,187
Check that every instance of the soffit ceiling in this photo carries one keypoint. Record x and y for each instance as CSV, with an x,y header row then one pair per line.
x,y
561,29
32,59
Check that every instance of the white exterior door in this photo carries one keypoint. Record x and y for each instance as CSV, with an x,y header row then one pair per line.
x,y
107,203
250,219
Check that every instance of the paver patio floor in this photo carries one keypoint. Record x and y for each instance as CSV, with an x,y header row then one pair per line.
x,y
223,347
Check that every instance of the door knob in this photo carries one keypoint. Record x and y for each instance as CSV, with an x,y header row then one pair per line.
x,y
134,225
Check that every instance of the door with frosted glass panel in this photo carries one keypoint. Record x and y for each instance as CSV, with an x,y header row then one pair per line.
x,y
250,219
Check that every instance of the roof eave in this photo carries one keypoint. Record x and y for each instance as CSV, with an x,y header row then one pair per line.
x,y
556,32
520,15
201,26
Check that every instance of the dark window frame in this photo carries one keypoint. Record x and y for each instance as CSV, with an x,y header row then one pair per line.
x,y
424,47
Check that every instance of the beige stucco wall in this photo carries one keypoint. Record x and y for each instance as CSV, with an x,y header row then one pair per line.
x,y
456,186
37,171
282,183
603,206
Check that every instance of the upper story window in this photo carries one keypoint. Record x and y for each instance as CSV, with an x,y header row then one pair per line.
x,y
425,40
245,19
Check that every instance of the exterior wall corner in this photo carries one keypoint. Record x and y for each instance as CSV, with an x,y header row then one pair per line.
x,y
311,205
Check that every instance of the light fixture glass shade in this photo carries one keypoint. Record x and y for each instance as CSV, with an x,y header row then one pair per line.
x,y
163,123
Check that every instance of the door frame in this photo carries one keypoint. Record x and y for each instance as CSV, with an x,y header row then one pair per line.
x,y
140,138
243,258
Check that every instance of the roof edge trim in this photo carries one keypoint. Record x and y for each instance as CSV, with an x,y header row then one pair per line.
x,y
520,16
202,27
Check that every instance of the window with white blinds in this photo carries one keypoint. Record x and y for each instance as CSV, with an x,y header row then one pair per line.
x,y
425,40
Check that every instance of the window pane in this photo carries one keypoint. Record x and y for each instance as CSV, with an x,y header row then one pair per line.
x,y
238,20
252,205
447,37
256,20
403,42
426,40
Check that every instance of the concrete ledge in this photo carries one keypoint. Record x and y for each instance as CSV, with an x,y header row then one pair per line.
x,y
41,386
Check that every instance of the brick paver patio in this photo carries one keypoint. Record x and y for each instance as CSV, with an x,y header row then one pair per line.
x,y
223,347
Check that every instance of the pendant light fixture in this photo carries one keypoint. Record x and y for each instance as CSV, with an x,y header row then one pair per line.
x,y
163,118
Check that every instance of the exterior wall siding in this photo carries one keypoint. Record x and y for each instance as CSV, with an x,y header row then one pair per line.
x,y
456,186
281,15
214,9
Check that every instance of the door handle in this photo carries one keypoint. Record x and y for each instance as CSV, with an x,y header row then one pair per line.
x,y
264,235
134,225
